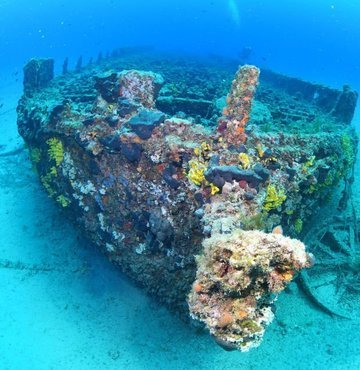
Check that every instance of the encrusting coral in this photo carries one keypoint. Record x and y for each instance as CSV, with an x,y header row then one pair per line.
x,y
56,150
274,197
196,172
236,114
238,278
244,160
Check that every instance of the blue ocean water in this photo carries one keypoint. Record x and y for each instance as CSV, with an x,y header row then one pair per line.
x,y
316,40
98,319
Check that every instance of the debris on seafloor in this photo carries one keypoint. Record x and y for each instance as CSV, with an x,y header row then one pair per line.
x,y
182,186
333,284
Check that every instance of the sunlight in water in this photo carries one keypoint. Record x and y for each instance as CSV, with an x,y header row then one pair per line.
x,y
234,12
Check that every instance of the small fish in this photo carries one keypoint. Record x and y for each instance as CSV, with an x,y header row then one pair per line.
x,y
278,230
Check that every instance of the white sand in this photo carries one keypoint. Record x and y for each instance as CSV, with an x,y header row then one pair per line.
x,y
81,313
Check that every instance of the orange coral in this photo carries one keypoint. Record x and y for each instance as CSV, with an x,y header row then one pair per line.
x,y
241,314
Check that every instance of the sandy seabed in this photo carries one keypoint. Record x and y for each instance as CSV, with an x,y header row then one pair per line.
x,y
64,306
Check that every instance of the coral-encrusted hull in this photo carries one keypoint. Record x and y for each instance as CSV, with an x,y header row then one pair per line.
x,y
153,190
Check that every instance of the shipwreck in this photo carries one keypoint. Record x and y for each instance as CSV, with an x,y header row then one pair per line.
x,y
188,175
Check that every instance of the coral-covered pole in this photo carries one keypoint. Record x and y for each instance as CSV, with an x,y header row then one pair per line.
x,y
237,111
